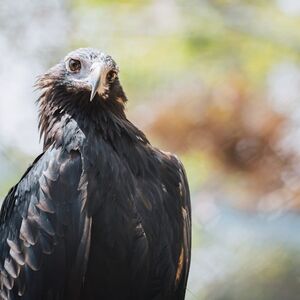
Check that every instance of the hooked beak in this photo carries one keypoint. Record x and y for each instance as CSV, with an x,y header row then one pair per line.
x,y
97,71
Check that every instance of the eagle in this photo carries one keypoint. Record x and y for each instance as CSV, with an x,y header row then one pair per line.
x,y
100,213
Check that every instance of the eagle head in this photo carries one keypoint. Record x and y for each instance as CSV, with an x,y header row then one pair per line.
x,y
88,71
85,86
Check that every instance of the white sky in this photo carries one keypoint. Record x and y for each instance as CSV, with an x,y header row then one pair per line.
x,y
291,7
26,44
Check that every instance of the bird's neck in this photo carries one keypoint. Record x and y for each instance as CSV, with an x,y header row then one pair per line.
x,y
57,108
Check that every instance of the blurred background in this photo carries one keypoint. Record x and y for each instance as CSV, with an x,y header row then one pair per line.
x,y
218,83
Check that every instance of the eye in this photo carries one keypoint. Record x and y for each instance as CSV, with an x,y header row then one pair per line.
x,y
111,76
74,65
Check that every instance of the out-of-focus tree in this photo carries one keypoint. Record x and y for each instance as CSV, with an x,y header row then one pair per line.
x,y
252,281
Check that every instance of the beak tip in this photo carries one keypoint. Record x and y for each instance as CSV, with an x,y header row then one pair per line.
x,y
95,78
92,96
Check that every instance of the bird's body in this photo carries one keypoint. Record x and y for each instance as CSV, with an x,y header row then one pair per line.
x,y
101,214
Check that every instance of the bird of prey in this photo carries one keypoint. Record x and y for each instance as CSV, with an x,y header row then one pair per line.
x,y
101,213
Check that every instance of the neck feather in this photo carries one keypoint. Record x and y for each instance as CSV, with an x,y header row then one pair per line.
x,y
56,106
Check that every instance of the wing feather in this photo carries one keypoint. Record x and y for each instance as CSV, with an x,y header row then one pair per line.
x,y
42,219
178,208
184,259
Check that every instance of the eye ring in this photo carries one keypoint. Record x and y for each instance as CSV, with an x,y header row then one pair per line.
x,y
111,76
74,65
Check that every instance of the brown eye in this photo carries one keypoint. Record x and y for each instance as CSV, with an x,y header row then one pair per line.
x,y
111,75
74,65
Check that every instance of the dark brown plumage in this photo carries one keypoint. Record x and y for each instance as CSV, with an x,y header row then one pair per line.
x,y
100,214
